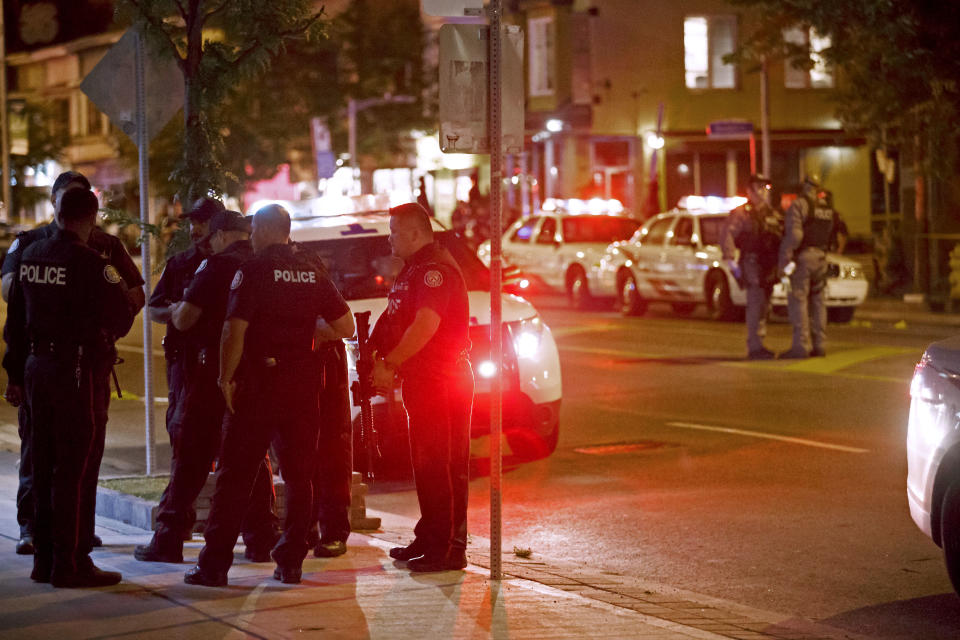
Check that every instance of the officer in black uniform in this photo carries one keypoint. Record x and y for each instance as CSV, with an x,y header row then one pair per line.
x,y
173,283
808,228
755,228
67,307
112,249
423,337
199,415
270,379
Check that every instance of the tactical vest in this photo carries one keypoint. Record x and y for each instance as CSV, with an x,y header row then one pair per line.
x,y
817,226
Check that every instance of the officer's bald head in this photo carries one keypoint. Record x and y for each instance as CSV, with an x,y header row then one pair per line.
x,y
78,205
410,229
271,225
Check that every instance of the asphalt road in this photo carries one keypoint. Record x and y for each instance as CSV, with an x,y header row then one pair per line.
x,y
777,485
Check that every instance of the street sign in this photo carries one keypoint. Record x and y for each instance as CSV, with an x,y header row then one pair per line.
x,y
325,158
730,129
465,85
111,85
454,8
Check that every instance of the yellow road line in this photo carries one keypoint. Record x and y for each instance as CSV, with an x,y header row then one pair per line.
x,y
835,361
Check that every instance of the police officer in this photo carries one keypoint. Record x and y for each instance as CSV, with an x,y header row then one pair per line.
x,y
808,226
423,337
199,317
66,309
270,383
755,228
170,288
111,248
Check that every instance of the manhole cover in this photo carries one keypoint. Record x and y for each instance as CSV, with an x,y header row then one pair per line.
x,y
615,449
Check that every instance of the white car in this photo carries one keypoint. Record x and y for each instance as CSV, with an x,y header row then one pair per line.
x,y
356,251
933,450
676,258
557,245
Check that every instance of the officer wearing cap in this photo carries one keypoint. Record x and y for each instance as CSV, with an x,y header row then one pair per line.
x,y
67,306
270,382
112,249
423,337
199,414
808,227
169,290
755,228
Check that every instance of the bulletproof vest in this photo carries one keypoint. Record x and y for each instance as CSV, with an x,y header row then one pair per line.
x,y
764,232
817,227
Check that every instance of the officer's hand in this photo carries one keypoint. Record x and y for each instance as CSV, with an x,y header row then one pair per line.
x,y
14,394
228,387
735,271
382,377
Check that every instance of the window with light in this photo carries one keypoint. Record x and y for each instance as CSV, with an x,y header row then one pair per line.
x,y
820,75
706,40
541,56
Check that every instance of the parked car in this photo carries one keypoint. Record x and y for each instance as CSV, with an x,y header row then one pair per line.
x,y
676,258
557,245
933,450
355,248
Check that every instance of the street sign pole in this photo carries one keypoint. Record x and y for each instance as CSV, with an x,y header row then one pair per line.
x,y
496,329
143,148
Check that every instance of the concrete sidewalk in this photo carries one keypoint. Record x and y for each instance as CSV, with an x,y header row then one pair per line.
x,y
363,594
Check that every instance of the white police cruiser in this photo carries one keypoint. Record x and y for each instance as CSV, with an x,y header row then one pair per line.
x,y
933,450
676,258
355,248
557,245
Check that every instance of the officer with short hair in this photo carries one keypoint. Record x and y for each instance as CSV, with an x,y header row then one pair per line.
x,y
170,288
112,249
67,307
755,228
423,337
270,379
199,414
808,227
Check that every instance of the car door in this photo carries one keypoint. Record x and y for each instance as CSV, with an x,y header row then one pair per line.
x,y
678,262
649,256
516,245
544,258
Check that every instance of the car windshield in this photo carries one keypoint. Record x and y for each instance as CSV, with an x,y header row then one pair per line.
x,y
363,267
711,229
605,229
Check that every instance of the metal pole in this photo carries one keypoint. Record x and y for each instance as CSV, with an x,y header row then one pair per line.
x,y
352,141
496,329
4,122
143,149
765,117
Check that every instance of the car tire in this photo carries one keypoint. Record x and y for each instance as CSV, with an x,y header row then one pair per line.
x,y
950,532
578,289
840,315
631,302
684,308
719,304
527,445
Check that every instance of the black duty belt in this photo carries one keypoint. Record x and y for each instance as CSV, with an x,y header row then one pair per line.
x,y
53,348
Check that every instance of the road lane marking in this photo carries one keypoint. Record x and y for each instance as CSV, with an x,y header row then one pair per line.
x,y
846,358
768,436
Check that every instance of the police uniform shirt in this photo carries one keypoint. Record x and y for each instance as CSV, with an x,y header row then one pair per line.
x,y
281,295
108,246
430,278
173,282
65,295
209,290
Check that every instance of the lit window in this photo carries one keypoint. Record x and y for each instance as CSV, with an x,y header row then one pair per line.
x,y
541,56
819,76
706,40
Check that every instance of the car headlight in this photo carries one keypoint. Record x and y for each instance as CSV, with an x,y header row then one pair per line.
x,y
929,419
851,272
526,338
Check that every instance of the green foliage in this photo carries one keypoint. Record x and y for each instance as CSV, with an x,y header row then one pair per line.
x,y
46,137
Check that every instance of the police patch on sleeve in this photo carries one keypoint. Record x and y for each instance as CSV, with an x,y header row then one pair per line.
x,y
237,280
433,278
111,274
13,247
201,267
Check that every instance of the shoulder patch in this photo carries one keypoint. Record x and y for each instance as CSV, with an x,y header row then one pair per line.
x,y
14,246
237,280
111,274
433,278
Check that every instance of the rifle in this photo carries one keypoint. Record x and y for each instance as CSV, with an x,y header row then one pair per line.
x,y
362,390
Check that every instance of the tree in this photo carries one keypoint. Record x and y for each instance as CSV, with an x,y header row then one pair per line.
x,y
217,44
46,139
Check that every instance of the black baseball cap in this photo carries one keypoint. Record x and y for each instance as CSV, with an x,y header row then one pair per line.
x,y
68,177
757,180
203,209
227,220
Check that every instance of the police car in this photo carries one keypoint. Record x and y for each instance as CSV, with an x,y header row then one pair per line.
x,y
556,246
675,257
933,450
355,248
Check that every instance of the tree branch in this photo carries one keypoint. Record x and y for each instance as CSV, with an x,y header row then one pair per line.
x,y
183,12
223,5
256,45
158,25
